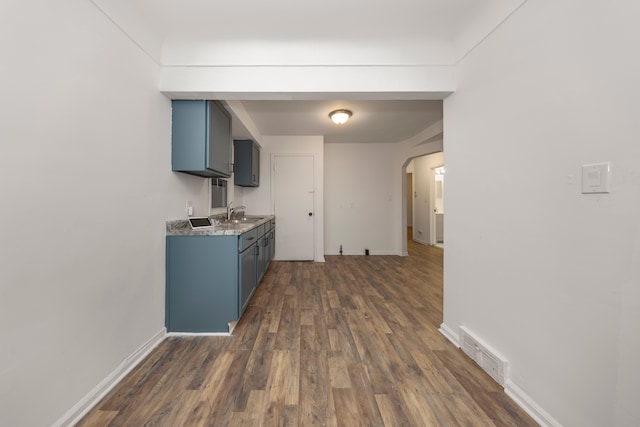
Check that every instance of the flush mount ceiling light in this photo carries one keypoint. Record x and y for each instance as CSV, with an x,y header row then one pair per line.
x,y
340,117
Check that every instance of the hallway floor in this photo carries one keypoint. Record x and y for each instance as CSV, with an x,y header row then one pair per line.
x,y
350,342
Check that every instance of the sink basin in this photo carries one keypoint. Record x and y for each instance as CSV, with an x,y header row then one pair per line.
x,y
238,223
241,220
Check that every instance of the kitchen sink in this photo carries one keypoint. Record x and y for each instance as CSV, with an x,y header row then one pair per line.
x,y
245,220
238,223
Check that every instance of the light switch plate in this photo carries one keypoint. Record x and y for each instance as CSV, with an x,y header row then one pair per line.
x,y
596,178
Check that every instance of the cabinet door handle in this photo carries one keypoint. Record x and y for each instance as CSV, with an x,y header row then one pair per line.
x,y
250,238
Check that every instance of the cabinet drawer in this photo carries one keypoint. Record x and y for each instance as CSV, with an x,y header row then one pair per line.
x,y
247,239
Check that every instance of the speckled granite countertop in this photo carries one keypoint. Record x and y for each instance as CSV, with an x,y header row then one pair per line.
x,y
181,227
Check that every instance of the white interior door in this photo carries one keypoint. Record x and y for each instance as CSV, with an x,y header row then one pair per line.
x,y
293,198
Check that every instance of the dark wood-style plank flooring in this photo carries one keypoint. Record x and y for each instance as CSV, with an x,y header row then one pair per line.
x,y
351,342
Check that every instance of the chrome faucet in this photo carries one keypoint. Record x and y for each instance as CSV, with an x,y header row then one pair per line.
x,y
232,210
229,210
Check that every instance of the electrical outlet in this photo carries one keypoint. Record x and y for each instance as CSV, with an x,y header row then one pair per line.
x,y
189,208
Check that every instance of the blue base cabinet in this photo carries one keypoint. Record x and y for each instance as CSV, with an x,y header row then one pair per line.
x,y
202,283
247,279
266,247
210,279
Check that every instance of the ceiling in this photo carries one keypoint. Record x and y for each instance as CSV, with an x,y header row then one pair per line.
x,y
201,33
312,19
446,22
372,121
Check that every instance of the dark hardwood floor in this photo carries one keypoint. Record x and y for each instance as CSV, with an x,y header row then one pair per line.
x,y
351,342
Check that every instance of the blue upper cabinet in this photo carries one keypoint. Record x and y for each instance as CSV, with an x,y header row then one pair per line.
x,y
201,138
246,158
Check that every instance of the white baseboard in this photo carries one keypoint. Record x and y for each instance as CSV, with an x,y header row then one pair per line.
x,y
361,253
384,252
423,242
80,409
450,335
200,334
529,405
516,394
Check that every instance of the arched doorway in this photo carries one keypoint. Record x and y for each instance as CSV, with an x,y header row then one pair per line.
x,y
419,198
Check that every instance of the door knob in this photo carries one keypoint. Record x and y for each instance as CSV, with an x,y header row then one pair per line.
x,y
310,213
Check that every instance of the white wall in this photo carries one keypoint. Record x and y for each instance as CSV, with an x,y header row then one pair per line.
x,y
365,197
544,274
260,200
359,194
86,188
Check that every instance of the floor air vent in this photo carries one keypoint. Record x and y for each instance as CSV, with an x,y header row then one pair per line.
x,y
487,359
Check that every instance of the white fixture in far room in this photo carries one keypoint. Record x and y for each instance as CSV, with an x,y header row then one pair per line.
x,y
596,178
340,117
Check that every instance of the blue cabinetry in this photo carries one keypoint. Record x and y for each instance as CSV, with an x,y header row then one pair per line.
x,y
248,263
248,275
246,158
266,247
201,138
272,241
211,278
202,283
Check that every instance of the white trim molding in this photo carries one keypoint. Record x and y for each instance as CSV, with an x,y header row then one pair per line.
x,y
201,334
91,399
450,335
514,392
529,405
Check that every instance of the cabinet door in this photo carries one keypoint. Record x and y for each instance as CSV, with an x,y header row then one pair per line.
x,y
202,283
219,140
262,256
272,243
267,250
255,164
247,163
247,275
188,135
200,138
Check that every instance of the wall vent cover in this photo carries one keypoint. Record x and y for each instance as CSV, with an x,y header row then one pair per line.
x,y
490,361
